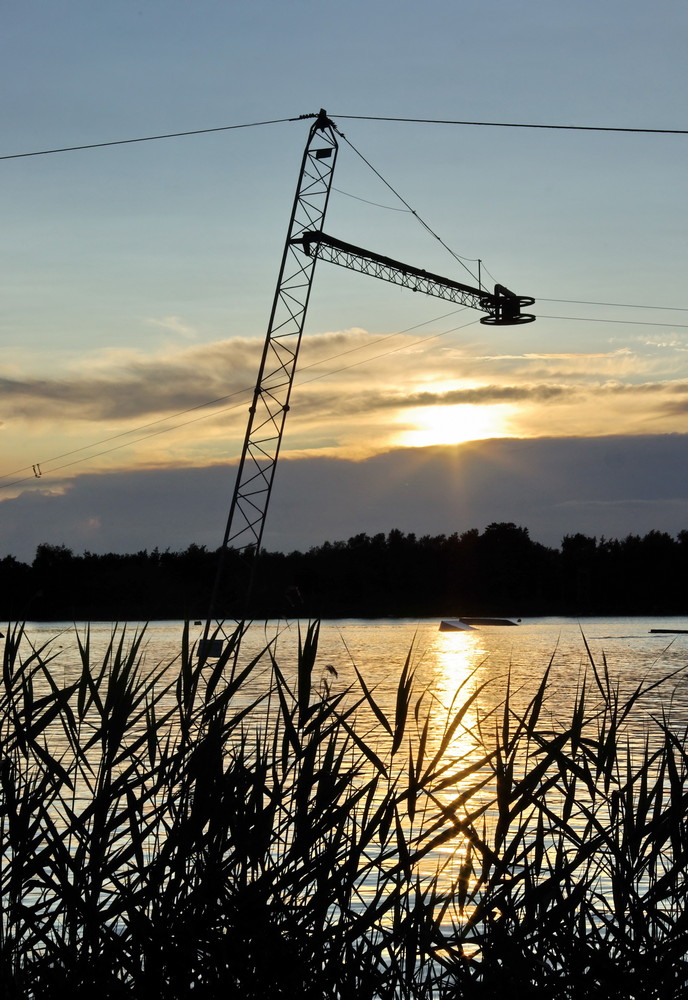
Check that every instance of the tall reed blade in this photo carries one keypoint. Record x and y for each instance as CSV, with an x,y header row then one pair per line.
x,y
308,648
215,829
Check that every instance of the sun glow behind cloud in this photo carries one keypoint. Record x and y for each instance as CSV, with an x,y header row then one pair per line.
x,y
457,424
168,405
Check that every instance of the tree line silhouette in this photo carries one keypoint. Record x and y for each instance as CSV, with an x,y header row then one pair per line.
x,y
499,571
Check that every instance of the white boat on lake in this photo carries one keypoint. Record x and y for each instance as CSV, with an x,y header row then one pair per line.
x,y
471,624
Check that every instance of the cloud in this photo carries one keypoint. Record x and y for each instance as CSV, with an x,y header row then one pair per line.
x,y
127,385
174,324
186,404
480,395
609,486
119,384
135,386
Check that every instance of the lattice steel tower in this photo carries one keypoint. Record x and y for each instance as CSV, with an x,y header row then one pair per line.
x,y
305,243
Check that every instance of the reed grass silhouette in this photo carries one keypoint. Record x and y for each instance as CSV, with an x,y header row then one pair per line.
x,y
180,831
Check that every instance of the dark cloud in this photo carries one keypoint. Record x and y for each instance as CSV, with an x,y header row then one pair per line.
x,y
676,403
609,486
321,400
487,395
323,403
138,388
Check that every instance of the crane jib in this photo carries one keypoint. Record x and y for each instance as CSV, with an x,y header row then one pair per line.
x,y
502,306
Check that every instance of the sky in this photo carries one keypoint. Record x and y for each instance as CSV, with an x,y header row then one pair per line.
x,y
137,278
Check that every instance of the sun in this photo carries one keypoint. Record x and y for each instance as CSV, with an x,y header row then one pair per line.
x,y
424,426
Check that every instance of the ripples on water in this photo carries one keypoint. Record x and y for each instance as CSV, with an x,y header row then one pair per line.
x,y
445,663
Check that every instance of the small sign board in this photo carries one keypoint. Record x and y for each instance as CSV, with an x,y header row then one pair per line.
x,y
209,649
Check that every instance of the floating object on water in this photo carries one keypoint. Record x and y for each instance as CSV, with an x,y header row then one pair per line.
x,y
470,624
670,631
209,649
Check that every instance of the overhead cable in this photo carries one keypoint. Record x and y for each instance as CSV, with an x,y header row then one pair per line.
x,y
373,118
566,128
366,201
149,138
625,322
617,305
457,257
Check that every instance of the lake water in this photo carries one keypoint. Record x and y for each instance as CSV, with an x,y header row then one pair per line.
x,y
489,658
444,661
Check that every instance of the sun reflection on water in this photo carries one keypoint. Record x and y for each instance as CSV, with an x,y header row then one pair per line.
x,y
457,655
464,787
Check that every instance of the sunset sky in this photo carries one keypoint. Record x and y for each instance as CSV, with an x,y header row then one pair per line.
x,y
137,279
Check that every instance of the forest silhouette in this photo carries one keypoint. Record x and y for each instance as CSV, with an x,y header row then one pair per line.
x,y
499,571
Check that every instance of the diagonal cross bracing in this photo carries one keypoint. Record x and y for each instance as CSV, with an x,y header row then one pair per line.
x,y
270,404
